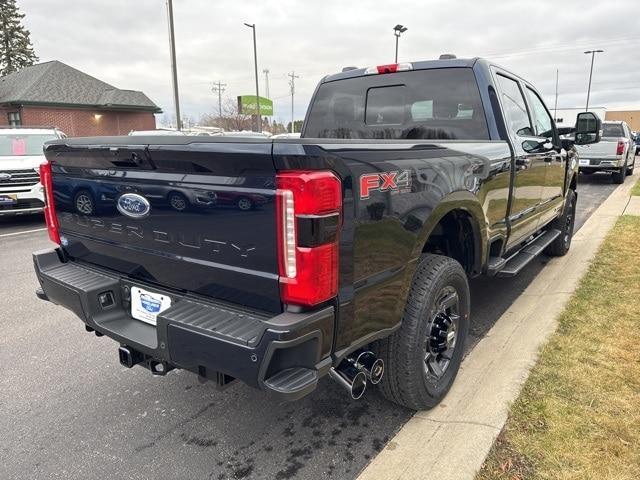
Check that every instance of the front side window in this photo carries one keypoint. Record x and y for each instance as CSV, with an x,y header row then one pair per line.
x,y
442,104
515,107
14,119
541,118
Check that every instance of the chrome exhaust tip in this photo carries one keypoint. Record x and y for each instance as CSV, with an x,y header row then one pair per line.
x,y
350,378
372,366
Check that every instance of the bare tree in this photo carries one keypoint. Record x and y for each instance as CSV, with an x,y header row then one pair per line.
x,y
231,119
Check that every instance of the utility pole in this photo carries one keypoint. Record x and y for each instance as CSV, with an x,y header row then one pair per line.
x,y
255,64
218,87
174,68
292,84
266,82
593,54
555,105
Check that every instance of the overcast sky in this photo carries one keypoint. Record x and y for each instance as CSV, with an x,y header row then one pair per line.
x,y
124,42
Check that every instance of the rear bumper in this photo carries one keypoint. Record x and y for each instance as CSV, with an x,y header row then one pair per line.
x,y
285,354
601,163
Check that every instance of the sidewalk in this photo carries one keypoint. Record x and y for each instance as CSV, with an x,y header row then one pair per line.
x,y
452,440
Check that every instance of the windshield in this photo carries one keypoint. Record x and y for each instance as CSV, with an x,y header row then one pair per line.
x,y
423,104
612,130
20,145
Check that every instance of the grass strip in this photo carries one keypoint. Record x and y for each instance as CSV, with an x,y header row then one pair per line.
x,y
578,415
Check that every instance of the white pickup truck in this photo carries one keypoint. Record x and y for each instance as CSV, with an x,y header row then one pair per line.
x,y
20,157
615,153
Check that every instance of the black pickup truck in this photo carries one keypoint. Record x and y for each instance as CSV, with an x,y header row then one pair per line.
x,y
346,252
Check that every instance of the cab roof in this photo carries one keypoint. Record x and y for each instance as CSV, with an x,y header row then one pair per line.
x,y
419,65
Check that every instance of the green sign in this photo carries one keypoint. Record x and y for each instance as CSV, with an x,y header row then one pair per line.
x,y
247,105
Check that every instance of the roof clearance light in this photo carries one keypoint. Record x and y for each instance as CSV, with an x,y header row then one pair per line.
x,y
390,68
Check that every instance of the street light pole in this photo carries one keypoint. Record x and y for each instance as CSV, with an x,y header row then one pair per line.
x,y
397,30
174,68
593,54
255,64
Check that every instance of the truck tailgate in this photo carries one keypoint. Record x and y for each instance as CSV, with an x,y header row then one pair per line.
x,y
189,214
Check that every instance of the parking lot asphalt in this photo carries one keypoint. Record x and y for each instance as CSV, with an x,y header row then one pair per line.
x,y
69,410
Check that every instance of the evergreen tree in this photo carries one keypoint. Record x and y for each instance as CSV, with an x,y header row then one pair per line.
x,y
16,50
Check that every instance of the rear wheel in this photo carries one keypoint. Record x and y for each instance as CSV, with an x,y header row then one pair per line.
x,y
423,356
619,176
631,168
178,201
244,204
83,203
564,223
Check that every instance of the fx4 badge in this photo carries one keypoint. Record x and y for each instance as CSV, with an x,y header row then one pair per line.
x,y
394,182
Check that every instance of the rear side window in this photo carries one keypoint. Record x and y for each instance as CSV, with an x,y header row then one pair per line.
x,y
515,107
612,130
423,104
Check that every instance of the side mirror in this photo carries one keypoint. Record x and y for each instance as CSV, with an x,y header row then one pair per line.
x,y
588,128
537,146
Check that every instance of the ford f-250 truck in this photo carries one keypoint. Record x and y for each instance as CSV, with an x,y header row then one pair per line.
x,y
408,179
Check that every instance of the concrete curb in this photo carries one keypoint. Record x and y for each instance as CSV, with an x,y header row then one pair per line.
x,y
452,440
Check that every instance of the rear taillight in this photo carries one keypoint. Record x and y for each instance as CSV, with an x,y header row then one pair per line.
x,y
620,149
49,208
309,206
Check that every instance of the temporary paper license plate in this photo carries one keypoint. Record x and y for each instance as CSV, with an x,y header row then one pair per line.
x,y
584,162
8,199
146,306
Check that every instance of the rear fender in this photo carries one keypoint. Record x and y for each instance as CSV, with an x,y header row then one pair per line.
x,y
466,202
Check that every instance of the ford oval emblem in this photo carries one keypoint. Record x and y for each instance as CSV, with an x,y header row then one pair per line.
x,y
133,205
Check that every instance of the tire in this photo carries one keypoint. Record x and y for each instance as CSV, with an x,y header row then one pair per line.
x,y
83,203
565,224
620,175
631,168
244,204
178,201
412,355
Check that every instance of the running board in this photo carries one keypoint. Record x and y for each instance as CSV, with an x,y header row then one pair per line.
x,y
518,261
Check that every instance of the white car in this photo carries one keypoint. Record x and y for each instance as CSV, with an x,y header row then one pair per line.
x,y
287,135
20,158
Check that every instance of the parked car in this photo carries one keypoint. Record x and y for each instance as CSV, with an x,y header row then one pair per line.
x,y
286,135
636,140
615,153
159,131
21,154
407,180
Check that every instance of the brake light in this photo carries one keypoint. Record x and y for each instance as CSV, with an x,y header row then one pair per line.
x,y
390,68
309,206
49,208
620,149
